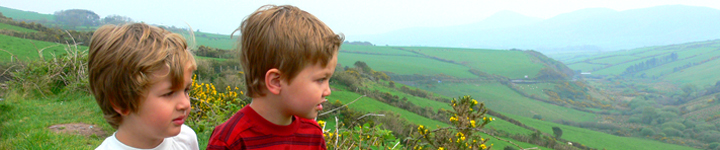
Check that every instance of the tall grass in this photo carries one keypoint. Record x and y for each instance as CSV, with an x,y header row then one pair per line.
x,y
44,92
53,75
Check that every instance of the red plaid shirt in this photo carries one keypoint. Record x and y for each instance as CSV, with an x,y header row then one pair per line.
x,y
248,130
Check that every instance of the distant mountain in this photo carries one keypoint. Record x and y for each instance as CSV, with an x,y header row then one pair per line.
x,y
596,28
448,36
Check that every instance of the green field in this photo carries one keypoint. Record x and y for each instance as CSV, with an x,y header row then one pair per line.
x,y
615,59
511,64
405,65
375,50
501,98
213,40
24,122
598,140
16,28
536,89
366,104
585,67
693,54
25,49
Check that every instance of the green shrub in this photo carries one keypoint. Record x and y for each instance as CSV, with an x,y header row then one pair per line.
x,y
675,125
713,145
645,131
672,132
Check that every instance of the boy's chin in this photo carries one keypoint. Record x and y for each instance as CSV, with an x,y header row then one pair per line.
x,y
174,132
309,116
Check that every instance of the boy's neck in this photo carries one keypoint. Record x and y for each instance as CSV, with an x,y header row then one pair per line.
x,y
136,140
268,109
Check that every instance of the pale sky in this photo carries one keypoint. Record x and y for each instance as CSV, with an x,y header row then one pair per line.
x,y
351,17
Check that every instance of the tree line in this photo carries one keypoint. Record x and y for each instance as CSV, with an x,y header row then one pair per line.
x,y
651,63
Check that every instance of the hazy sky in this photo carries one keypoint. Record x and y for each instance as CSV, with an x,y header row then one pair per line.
x,y
351,17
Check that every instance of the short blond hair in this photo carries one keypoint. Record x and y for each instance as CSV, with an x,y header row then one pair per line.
x,y
122,59
286,38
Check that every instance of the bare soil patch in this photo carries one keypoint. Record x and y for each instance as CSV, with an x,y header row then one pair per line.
x,y
86,130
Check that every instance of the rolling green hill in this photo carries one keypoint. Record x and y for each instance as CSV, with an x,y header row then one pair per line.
x,y
16,28
25,15
511,64
24,49
694,63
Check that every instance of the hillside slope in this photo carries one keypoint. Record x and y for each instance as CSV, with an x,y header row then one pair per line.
x,y
693,63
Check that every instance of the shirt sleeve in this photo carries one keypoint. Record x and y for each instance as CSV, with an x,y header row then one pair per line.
x,y
214,143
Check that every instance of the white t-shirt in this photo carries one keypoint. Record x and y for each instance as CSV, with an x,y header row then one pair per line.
x,y
185,140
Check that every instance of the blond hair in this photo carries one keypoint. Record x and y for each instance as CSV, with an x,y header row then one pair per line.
x,y
286,38
122,58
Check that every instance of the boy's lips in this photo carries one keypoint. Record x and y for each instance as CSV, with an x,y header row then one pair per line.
x,y
319,107
179,120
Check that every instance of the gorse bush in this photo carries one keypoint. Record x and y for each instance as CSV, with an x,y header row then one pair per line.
x,y
210,107
359,137
467,118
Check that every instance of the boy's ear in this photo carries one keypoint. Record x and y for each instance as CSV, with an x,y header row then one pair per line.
x,y
118,110
272,81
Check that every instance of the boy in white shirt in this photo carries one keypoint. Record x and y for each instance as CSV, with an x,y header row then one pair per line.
x,y
140,76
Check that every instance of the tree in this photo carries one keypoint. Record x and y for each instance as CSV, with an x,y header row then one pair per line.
x,y
550,74
557,131
116,19
688,90
77,17
363,67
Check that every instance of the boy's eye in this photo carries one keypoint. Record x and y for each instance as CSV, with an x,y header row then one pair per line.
x,y
167,94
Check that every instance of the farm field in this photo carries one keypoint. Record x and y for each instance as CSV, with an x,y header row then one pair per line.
x,y
24,49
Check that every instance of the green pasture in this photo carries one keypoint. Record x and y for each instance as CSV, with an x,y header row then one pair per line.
x,y
384,50
595,139
501,98
535,89
419,101
615,59
584,66
25,122
511,64
16,28
366,104
405,65
25,49
213,40
700,75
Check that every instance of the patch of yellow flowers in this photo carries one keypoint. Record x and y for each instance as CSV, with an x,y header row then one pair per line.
x,y
207,101
466,120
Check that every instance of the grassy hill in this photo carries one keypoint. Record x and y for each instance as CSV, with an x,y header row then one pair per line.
x,y
25,49
597,139
25,15
16,28
694,64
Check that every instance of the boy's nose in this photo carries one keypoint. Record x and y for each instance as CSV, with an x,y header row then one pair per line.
x,y
327,90
184,104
